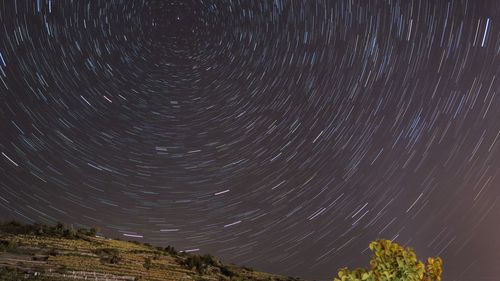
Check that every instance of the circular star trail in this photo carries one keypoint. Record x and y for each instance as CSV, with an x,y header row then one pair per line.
x,y
283,135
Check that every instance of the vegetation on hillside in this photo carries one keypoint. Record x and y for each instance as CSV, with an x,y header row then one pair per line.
x,y
58,253
40,229
392,262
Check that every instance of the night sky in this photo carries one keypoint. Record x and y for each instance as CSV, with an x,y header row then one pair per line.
x,y
282,135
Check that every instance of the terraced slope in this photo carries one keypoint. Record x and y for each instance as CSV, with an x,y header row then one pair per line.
x,y
46,257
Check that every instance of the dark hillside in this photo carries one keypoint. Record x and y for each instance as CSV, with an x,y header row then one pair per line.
x,y
41,252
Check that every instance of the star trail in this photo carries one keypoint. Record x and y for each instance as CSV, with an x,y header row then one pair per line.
x,y
282,135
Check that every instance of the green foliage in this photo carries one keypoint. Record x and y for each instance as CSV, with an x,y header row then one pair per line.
x,y
226,271
13,227
93,231
108,255
70,234
434,269
171,250
392,262
195,261
40,229
8,246
88,232
210,260
247,268
201,263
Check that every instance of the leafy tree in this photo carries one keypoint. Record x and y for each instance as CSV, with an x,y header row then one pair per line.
x,y
171,250
195,261
69,233
210,260
392,262
59,228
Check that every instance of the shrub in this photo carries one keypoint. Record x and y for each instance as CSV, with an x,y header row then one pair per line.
x,y
88,232
8,246
201,262
70,234
194,261
247,268
14,227
92,231
53,252
392,262
226,271
108,255
40,229
171,250
209,260
114,259
147,263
